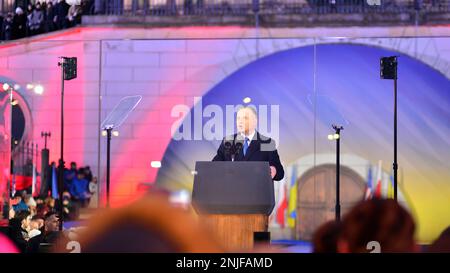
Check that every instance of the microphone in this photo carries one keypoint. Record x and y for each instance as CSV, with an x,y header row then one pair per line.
x,y
237,149
228,147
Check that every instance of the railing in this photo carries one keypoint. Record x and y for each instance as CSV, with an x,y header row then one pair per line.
x,y
245,7
24,156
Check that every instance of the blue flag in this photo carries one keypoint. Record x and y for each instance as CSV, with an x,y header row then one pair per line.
x,y
54,184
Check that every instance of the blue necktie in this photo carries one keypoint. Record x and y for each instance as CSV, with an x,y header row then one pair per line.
x,y
245,145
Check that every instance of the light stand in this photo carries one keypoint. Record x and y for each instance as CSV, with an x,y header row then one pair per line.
x,y
388,70
68,72
108,163
337,137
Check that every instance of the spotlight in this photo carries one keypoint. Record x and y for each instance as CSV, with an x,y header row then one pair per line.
x,y
388,68
115,133
247,100
5,86
330,137
39,89
336,136
30,86
16,86
155,164
104,133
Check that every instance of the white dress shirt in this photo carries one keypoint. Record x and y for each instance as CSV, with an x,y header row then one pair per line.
x,y
250,137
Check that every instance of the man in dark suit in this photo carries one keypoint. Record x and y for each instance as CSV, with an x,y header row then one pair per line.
x,y
249,145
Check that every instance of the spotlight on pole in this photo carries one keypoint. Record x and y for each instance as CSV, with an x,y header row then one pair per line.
x,y
68,72
388,68
70,68
388,71
5,86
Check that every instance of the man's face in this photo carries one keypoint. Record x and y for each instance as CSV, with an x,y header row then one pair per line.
x,y
52,223
246,121
34,224
40,223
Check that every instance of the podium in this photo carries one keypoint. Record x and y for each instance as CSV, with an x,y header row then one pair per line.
x,y
234,199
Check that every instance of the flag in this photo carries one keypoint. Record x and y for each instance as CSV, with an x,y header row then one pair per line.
x,y
54,184
292,205
390,191
33,182
378,192
21,182
13,185
369,186
282,205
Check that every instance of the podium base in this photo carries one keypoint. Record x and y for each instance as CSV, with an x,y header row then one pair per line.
x,y
236,231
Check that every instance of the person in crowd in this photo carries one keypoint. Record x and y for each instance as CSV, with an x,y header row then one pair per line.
x,y
19,24
36,20
29,14
87,6
50,235
79,189
34,229
31,204
325,237
93,191
71,209
88,173
61,10
40,221
49,17
2,21
50,203
47,185
150,224
69,175
18,229
8,26
19,203
74,15
382,222
442,243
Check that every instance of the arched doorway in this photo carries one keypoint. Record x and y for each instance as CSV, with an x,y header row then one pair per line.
x,y
316,197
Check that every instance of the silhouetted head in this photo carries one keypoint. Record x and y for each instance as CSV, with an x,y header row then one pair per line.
x,y
377,221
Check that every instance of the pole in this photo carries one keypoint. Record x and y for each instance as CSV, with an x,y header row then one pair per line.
x,y
108,153
388,71
395,165
61,159
338,168
11,161
338,201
